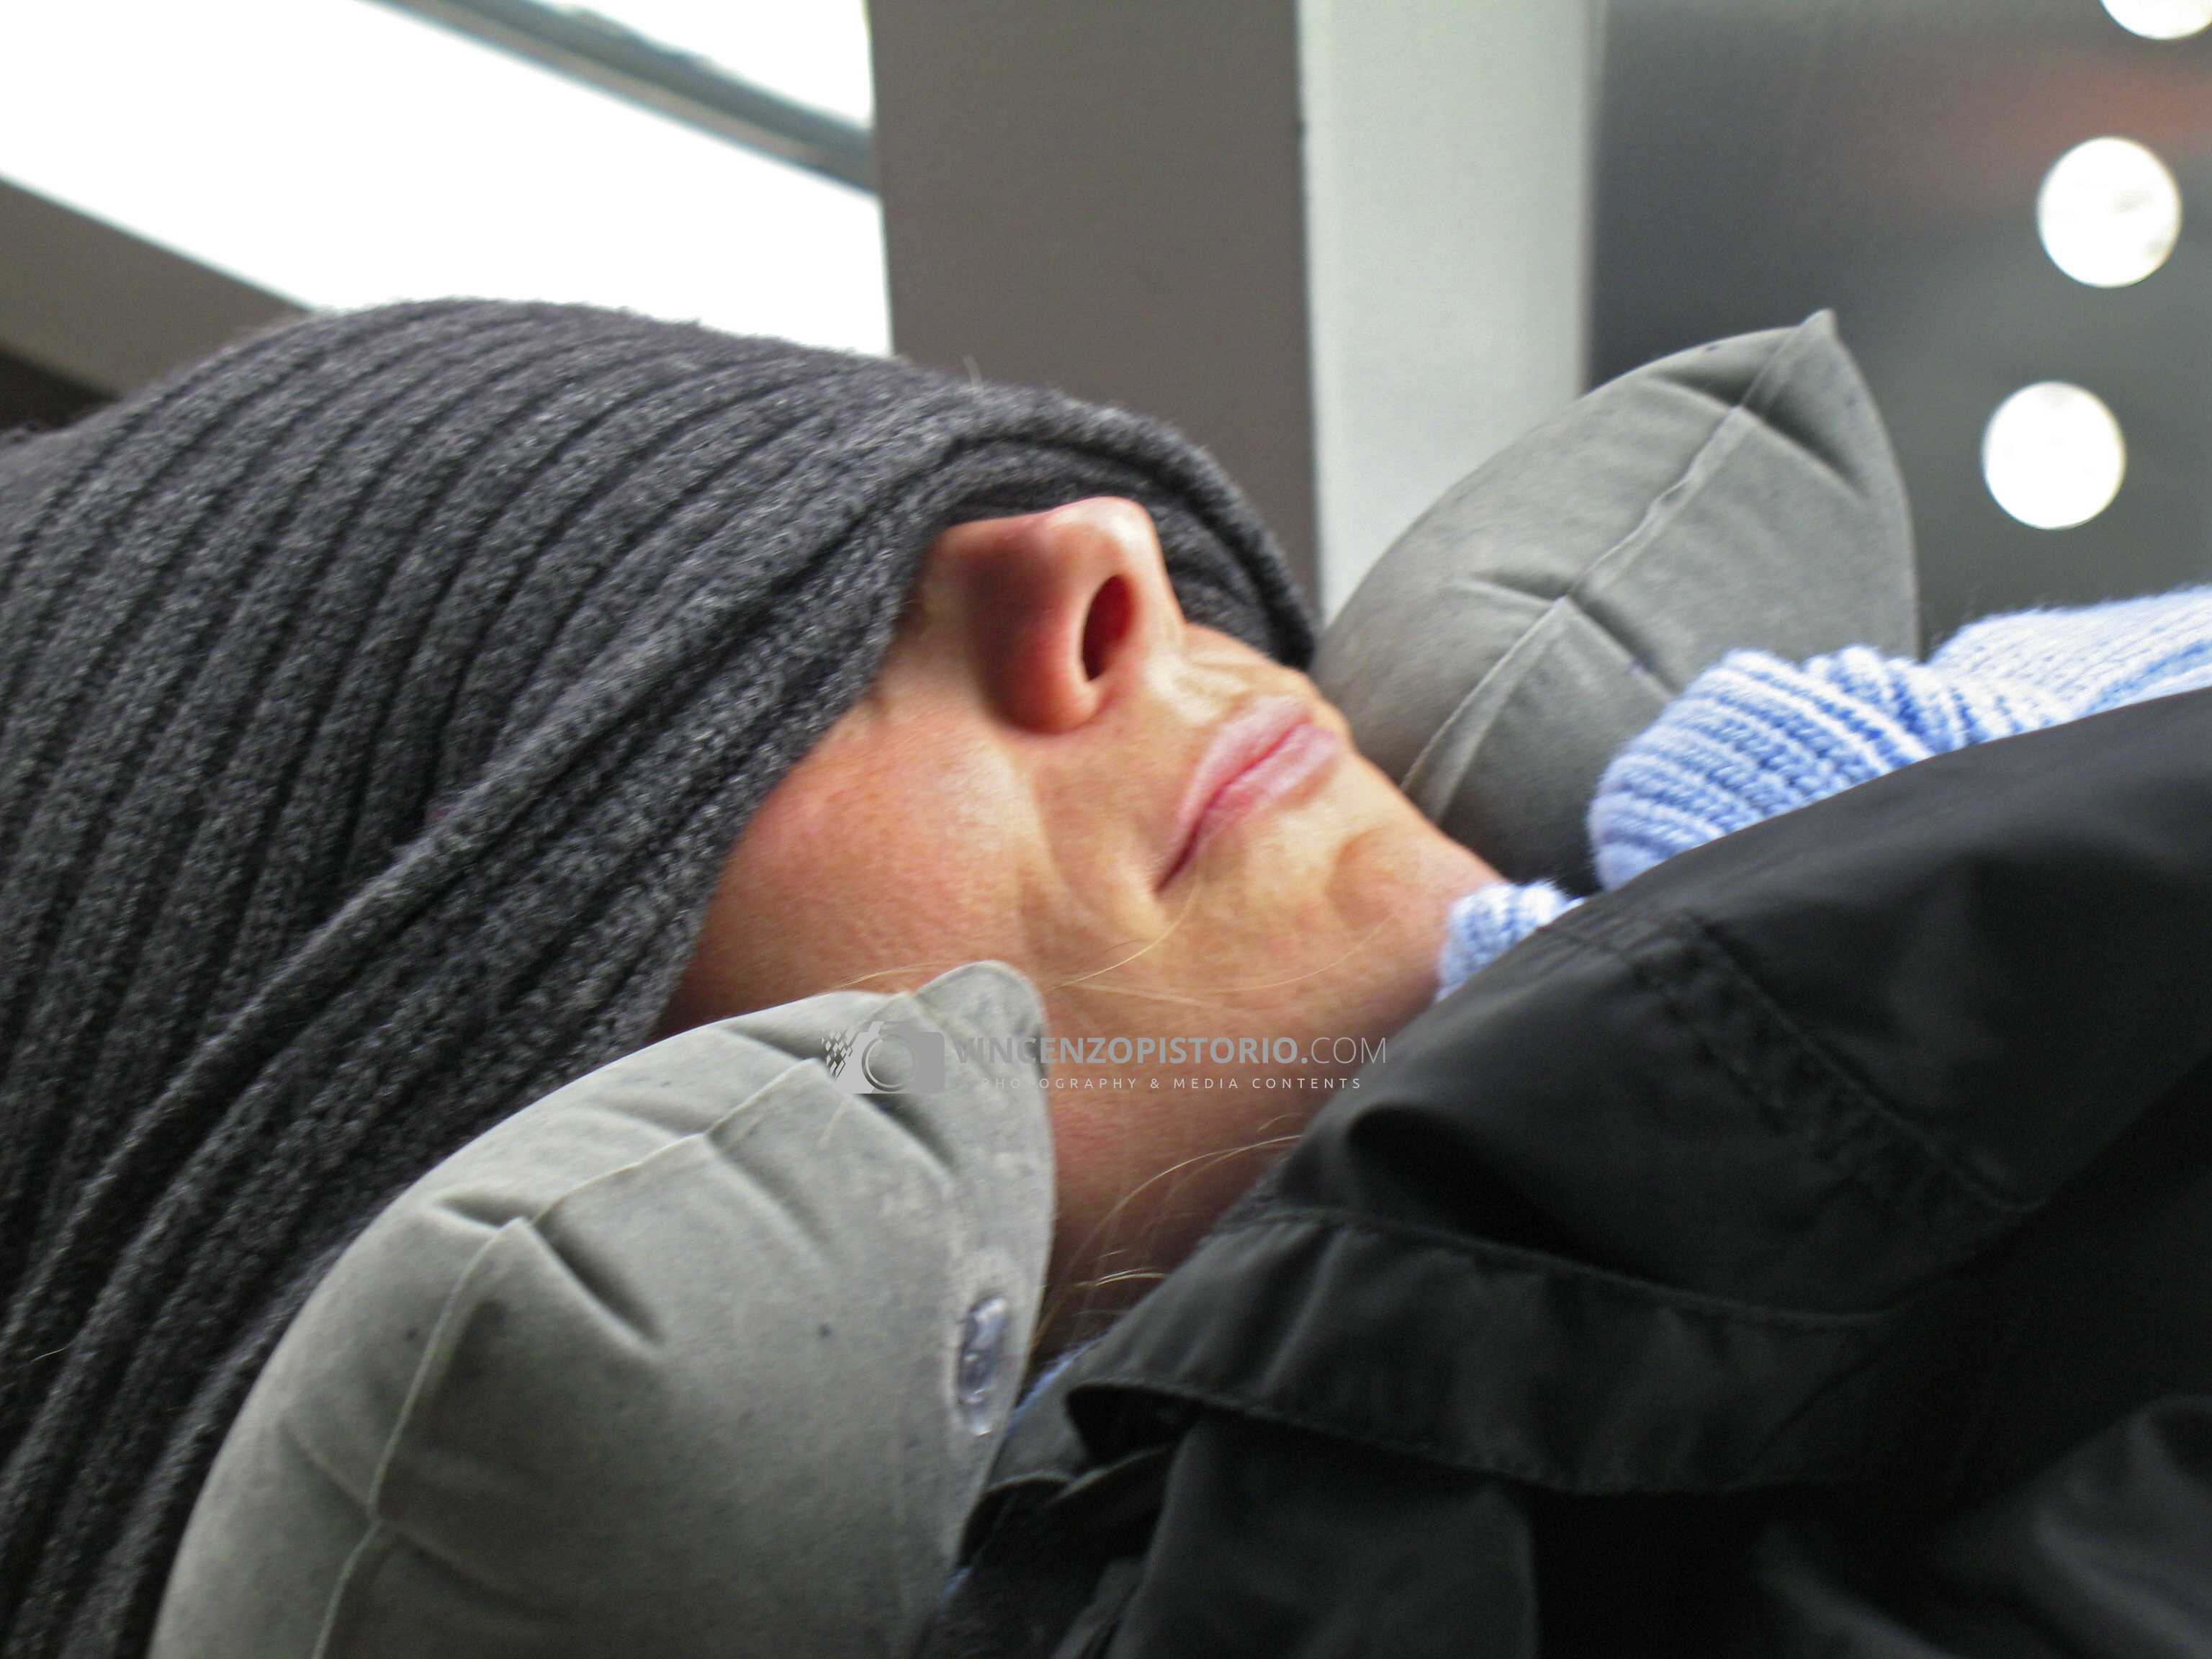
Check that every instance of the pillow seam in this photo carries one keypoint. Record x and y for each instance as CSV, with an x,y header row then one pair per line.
x,y
1729,436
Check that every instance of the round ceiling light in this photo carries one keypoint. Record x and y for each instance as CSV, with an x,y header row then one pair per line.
x,y
2054,455
2162,20
2108,213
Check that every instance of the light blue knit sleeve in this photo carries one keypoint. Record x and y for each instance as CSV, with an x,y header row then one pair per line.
x,y
1754,736
2094,657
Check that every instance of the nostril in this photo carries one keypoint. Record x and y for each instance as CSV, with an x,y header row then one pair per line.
x,y
1106,624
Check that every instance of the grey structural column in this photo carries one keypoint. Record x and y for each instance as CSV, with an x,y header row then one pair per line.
x,y
1344,245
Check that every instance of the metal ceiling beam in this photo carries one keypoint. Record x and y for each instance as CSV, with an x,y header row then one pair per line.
x,y
601,52
107,309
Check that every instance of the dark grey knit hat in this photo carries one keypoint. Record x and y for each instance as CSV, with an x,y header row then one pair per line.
x,y
379,703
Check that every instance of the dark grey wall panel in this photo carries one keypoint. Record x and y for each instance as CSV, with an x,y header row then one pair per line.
x,y
1107,199
1759,159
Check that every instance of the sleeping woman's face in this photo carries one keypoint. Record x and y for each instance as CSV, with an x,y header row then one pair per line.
x,y
1168,832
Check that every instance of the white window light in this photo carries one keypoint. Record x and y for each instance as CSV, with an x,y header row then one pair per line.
x,y
341,153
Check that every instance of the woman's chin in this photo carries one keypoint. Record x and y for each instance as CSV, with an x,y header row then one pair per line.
x,y
1392,889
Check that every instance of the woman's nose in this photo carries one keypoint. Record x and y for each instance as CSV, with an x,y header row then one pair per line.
x,y
1063,609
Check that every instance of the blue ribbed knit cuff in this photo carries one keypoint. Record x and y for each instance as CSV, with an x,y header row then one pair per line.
x,y
1754,736
1491,920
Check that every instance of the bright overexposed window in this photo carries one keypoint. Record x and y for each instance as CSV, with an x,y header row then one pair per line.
x,y
342,153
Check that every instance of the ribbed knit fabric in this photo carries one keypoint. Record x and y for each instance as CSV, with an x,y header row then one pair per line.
x,y
1753,736
378,703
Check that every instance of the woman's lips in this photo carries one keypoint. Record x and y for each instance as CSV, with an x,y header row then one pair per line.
x,y
1264,754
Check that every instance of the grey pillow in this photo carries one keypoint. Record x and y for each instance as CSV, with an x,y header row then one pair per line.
x,y
1544,611
701,1354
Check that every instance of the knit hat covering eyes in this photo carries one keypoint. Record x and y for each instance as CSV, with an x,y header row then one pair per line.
x,y
378,703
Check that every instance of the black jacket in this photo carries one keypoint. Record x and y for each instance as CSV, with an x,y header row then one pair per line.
x,y
1803,1249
